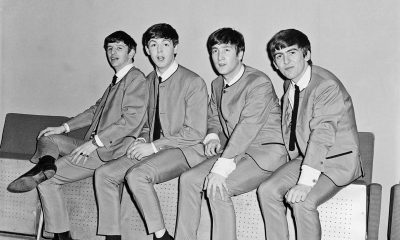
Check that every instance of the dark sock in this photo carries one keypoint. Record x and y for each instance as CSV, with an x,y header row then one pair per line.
x,y
113,237
47,163
64,236
47,159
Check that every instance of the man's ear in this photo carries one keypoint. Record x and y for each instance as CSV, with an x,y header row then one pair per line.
x,y
132,53
240,55
176,49
147,50
275,66
307,55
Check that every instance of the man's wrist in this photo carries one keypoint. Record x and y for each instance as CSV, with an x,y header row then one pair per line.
x,y
308,176
95,143
154,148
224,166
209,137
66,127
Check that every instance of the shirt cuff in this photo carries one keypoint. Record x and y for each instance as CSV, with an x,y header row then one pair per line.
x,y
309,176
209,137
98,141
141,139
154,148
67,129
224,166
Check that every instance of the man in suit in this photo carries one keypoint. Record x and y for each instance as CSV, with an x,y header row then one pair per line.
x,y
244,141
320,134
171,142
115,121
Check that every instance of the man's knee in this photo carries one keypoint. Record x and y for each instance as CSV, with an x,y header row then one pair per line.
x,y
191,179
101,174
270,190
138,175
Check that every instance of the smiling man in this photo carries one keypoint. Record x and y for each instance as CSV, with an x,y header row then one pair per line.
x,y
244,141
115,121
171,141
320,134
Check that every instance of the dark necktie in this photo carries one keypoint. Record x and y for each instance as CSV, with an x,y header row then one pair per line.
x,y
157,123
114,79
292,140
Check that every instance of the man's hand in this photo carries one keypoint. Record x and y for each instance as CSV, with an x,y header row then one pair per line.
x,y
212,147
297,193
51,130
214,181
82,152
139,150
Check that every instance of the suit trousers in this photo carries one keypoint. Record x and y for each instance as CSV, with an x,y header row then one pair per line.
x,y
271,195
157,168
246,177
108,180
50,192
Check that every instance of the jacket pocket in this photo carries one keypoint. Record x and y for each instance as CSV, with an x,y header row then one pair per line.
x,y
273,143
339,155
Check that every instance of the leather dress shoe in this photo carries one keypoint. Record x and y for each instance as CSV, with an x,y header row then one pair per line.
x,y
166,236
44,170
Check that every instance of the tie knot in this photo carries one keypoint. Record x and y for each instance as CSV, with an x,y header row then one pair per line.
x,y
296,88
114,80
159,79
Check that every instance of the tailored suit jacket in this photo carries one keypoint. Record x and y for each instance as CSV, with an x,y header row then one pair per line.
x,y
120,114
247,115
326,129
183,113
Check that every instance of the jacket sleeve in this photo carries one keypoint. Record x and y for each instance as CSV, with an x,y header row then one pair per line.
x,y
213,122
328,109
86,117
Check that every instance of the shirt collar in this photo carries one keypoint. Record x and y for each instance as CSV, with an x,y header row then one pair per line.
x,y
304,80
236,77
168,72
121,73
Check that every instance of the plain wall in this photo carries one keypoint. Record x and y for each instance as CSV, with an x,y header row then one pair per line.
x,y
52,61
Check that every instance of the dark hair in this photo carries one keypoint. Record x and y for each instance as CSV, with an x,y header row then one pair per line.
x,y
287,38
226,36
160,30
120,36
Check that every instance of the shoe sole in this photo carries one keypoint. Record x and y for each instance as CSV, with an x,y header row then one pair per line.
x,y
28,183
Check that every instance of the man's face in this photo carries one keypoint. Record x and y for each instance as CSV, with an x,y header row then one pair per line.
x,y
225,60
162,52
119,55
291,62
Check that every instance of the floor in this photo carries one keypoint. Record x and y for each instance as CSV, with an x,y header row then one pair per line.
x,y
4,236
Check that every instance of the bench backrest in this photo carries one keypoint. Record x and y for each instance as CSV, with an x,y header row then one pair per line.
x,y
20,131
367,154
